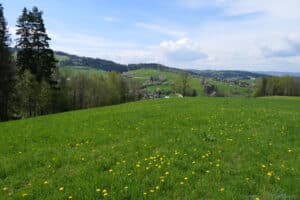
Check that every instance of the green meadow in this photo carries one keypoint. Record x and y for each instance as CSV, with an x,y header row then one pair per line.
x,y
178,148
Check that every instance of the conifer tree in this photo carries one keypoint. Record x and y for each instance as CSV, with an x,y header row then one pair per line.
x,y
34,53
6,69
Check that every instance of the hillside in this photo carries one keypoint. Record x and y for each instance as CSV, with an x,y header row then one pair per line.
x,y
163,80
228,74
190,148
68,60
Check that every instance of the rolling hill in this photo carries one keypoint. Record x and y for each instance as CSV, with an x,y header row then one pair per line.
x,y
189,148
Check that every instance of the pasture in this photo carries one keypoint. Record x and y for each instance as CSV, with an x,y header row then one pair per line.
x,y
189,148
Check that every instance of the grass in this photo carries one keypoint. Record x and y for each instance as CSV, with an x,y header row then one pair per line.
x,y
232,90
75,70
143,75
189,148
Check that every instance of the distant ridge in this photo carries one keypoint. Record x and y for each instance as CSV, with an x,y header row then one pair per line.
x,y
276,73
70,60
228,74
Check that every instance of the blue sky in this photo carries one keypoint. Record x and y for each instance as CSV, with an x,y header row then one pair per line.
x,y
204,34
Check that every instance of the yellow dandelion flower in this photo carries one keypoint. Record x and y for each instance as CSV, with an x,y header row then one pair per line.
x,y
138,165
186,178
61,189
270,174
46,182
157,187
126,187
104,191
217,165
24,194
70,197
207,171
257,198
263,166
110,171
5,189
145,193
152,191
105,194
222,189
290,150
181,183
167,173
98,190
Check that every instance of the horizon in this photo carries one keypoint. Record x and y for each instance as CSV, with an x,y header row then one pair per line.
x,y
236,35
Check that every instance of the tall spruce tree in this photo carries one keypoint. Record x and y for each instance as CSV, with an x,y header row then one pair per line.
x,y
6,68
34,53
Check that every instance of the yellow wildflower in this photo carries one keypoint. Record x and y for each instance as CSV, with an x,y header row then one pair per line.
x,y
24,194
270,174
61,189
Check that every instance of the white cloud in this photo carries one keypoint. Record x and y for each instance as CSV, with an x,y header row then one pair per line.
x,y
160,29
182,50
12,31
111,19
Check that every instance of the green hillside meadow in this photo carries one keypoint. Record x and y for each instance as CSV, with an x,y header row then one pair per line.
x,y
188,148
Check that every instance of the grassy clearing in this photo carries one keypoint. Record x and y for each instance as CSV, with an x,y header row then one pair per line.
x,y
75,70
142,75
190,148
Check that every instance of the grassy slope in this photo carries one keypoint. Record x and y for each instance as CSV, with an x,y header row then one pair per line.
x,y
232,90
143,75
190,148
74,70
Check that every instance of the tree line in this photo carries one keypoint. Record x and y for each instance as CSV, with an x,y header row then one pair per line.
x,y
279,86
30,84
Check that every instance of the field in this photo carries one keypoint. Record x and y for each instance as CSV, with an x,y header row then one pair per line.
x,y
73,70
189,148
143,75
